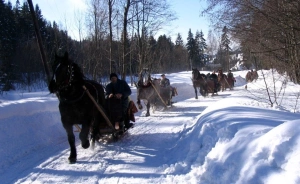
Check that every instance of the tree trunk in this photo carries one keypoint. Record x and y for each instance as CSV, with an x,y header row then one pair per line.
x,y
125,22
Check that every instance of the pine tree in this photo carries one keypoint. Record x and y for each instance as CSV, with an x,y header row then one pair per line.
x,y
7,45
191,48
179,40
180,53
200,47
225,48
165,50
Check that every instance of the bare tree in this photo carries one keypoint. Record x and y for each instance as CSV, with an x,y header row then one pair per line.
x,y
212,43
95,62
271,28
110,12
78,18
269,33
148,17
125,38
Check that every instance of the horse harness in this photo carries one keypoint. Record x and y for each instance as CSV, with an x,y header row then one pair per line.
x,y
68,83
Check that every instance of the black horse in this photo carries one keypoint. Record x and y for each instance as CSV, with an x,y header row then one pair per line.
x,y
199,81
75,106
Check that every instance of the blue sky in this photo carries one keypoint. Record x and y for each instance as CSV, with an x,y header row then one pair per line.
x,y
187,11
188,14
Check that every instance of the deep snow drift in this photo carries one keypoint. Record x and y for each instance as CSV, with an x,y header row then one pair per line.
x,y
233,137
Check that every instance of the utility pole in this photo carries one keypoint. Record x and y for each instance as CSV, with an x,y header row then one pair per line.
x,y
39,40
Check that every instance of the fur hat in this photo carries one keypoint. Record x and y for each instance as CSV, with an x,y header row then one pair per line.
x,y
113,75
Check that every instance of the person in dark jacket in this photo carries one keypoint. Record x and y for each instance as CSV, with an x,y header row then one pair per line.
x,y
120,89
230,75
214,77
164,82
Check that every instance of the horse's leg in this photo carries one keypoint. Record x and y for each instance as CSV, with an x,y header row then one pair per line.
x,y
71,138
196,95
148,108
153,108
95,131
170,98
139,104
84,136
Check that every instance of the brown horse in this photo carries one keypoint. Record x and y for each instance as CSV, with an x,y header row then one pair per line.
x,y
200,81
251,76
230,81
248,76
254,75
225,82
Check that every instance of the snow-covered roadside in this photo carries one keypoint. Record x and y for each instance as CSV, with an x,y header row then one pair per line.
x,y
228,138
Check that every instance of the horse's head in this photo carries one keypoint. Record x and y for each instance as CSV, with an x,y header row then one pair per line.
x,y
65,72
220,72
195,74
144,79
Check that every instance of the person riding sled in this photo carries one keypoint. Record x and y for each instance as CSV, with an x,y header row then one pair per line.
x,y
165,84
230,75
214,77
120,90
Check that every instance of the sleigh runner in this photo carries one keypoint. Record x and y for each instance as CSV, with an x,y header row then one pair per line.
x,y
115,115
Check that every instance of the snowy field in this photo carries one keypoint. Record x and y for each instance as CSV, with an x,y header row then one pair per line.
x,y
233,137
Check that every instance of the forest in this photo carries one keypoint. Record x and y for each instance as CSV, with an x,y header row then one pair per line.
x,y
122,38
268,31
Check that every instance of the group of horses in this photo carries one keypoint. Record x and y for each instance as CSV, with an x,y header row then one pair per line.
x,y
251,76
82,101
211,83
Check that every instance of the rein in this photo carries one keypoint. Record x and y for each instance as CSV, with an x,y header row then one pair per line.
x,y
67,84
150,83
71,101
158,94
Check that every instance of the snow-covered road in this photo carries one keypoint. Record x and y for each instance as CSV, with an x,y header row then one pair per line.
x,y
170,146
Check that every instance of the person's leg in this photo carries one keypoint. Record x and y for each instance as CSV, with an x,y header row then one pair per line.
x,y
126,118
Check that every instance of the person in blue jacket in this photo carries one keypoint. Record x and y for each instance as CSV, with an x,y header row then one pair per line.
x,y
120,89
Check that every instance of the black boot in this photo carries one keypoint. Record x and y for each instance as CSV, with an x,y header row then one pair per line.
x,y
127,123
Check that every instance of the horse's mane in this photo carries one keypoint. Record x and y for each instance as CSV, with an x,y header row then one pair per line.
x,y
198,74
78,74
74,69
144,80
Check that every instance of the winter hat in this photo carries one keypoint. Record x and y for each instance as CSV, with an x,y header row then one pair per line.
x,y
113,75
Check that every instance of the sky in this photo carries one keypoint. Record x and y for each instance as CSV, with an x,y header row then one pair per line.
x,y
188,14
189,17
233,137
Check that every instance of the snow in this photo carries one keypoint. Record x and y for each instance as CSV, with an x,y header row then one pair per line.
x,y
236,136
